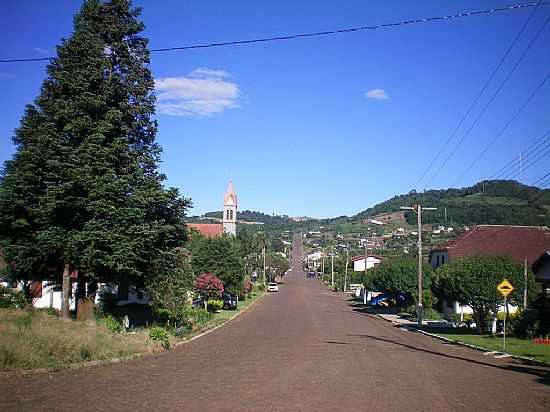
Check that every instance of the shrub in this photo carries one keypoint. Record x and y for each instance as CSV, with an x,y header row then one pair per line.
x,y
113,324
160,335
261,287
214,305
12,298
208,286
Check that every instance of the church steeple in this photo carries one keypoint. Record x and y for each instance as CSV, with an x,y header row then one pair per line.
x,y
229,219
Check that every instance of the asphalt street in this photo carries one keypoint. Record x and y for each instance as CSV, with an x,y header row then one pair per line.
x,y
304,348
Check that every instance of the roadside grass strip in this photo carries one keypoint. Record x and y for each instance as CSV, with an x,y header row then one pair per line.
x,y
492,346
37,342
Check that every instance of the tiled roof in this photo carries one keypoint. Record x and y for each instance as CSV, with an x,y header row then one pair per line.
x,y
207,229
518,242
356,258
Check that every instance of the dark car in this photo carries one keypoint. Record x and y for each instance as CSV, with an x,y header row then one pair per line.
x,y
229,301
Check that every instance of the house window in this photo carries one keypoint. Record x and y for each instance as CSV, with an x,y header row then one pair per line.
x,y
442,259
231,215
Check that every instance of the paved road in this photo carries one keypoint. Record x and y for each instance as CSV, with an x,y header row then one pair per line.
x,y
303,349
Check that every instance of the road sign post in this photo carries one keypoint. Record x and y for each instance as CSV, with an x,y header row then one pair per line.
x,y
505,288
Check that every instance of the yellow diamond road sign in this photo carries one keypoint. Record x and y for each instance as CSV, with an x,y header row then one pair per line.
x,y
505,288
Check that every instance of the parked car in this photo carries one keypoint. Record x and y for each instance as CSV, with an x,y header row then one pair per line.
x,y
272,287
229,301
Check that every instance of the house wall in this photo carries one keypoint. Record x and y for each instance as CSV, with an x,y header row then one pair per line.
x,y
359,265
52,297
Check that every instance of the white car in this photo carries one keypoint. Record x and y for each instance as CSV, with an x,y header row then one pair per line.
x,y
272,287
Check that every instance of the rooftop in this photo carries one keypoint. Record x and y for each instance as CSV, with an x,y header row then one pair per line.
x,y
518,242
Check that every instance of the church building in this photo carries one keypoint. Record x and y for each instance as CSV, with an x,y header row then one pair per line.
x,y
229,217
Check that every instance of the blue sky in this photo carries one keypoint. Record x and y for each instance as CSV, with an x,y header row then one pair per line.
x,y
293,121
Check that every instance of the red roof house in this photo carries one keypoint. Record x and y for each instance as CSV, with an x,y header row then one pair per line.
x,y
210,230
518,242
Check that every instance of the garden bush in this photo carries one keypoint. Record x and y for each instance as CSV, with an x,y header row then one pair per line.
x,y
12,298
214,305
160,335
113,324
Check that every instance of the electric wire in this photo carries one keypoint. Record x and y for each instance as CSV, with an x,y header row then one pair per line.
x,y
480,93
490,101
501,132
534,148
321,33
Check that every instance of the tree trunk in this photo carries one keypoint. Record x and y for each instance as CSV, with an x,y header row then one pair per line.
x,y
85,300
480,317
65,289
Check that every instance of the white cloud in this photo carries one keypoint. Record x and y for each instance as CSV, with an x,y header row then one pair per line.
x,y
377,94
204,92
40,50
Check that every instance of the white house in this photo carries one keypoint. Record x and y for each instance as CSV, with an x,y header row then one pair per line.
x,y
359,262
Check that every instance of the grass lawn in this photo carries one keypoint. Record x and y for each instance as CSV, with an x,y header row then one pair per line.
x,y
224,315
514,346
36,339
31,339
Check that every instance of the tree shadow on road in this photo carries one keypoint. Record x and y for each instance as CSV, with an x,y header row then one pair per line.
x,y
521,366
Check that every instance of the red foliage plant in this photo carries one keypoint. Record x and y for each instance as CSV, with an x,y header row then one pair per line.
x,y
208,286
247,287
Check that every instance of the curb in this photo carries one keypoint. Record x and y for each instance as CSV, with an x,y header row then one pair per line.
x,y
100,362
468,345
481,349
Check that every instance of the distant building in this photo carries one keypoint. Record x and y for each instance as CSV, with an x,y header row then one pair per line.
x,y
359,262
229,217
209,230
521,243
518,242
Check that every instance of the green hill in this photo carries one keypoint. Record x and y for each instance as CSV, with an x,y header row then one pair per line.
x,y
490,202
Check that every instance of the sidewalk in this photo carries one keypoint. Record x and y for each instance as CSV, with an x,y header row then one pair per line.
x,y
398,320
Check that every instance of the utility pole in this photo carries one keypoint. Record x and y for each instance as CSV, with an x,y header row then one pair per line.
x,y
332,267
346,270
263,252
524,283
418,211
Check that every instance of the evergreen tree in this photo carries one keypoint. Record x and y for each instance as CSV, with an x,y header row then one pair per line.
x,y
83,191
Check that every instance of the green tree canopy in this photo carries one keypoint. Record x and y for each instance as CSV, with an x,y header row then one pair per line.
x,y
83,188
221,257
473,281
399,275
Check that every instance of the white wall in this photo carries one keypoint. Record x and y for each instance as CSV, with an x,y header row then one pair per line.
x,y
359,265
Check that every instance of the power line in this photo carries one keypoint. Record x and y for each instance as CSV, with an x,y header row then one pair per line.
x,y
508,123
538,158
490,101
487,82
535,147
322,33
542,179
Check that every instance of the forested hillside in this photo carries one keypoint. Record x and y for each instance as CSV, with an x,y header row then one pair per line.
x,y
489,202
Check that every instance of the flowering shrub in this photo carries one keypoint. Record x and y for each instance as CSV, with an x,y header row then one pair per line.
x,y
208,286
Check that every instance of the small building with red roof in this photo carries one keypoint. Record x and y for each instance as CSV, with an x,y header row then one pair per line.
x,y
519,242
209,230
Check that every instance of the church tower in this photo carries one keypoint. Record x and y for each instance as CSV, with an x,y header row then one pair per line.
x,y
229,219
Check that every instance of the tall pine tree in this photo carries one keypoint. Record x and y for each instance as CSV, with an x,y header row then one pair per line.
x,y
83,193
